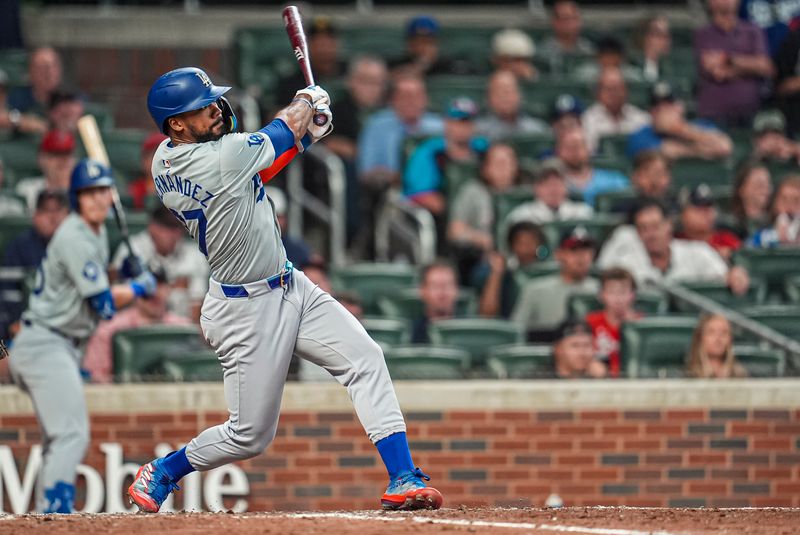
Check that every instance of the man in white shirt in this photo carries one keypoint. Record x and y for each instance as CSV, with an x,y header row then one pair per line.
x,y
660,257
611,114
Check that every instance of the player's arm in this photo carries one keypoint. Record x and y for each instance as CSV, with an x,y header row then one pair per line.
x,y
106,302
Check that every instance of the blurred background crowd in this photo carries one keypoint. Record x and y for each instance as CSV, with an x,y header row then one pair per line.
x,y
510,201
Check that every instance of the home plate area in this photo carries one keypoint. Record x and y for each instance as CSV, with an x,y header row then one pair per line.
x,y
586,520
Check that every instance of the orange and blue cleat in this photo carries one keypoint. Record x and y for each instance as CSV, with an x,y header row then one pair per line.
x,y
408,492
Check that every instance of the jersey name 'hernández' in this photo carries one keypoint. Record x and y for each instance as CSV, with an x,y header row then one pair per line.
x,y
215,190
72,271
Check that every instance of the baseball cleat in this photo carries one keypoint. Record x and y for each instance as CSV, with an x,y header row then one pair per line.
x,y
408,492
150,487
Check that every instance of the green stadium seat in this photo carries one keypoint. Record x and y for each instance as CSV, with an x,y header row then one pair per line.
x,y
772,265
657,346
456,175
193,366
613,145
761,362
719,292
10,228
689,172
783,318
476,335
370,280
102,113
141,352
521,362
443,89
20,155
388,331
540,95
124,149
137,222
506,202
780,170
14,62
599,227
423,362
539,269
612,201
650,303
792,289
531,146
407,304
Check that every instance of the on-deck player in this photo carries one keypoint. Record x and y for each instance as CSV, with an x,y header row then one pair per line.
x,y
259,310
70,294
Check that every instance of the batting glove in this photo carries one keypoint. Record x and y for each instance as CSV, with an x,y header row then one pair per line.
x,y
131,267
317,95
322,114
144,285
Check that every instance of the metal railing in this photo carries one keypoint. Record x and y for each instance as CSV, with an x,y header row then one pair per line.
x,y
412,225
332,213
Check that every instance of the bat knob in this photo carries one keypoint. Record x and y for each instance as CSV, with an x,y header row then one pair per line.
x,y
320,120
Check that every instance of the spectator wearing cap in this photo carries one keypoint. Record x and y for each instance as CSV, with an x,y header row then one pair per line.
x,y
10,205
662,258
617,295
27,250
573,354
653,42
323,49
494,277
565,113
98,359
565,21
56,160
784,230
583,179
297,250
505,117
423,180
752,191
698,222
380,143
732,63
163,247
64,110
670,132
423,55
44,76
611,114
769,139
787,81
551,202
513,50
542,304
143,186
609,54
13,120
438,290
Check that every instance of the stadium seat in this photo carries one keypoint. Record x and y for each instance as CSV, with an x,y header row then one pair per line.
x,y
783,318
388,331
476,335
531,146
613,201
191,366
102,114
10,228
657,346
406,303
21,156
760,362
14,62
689,172
719,292
650,303
137,222
456,175
540,95
370,280
505,203
141,352
125,151
539,269
443,89
424,362
612,145
521,362
599,227
773,265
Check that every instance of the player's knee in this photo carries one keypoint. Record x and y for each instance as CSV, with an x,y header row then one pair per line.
x,y
253,444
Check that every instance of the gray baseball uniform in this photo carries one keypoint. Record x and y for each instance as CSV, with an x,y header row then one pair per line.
x,y
255,326
46,353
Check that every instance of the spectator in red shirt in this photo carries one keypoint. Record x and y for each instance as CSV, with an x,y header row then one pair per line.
x,y
617,294
699,222
143,186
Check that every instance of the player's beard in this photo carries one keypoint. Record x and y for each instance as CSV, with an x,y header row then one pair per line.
x,y
208,135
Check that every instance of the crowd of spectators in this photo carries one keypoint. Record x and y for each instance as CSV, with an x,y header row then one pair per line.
x,y
457,164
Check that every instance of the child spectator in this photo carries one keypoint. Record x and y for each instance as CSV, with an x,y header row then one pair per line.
x,y
785,228
617,294
573,355
711,353
752,189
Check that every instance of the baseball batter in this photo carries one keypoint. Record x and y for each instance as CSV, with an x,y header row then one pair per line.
x,y
70,294
259,310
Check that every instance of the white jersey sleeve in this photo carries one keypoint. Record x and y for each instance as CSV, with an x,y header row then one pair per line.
x,y
243,155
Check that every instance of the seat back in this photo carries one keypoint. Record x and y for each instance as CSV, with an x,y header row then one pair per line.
x,y
141,352
783,318
521,361
773,265
761,362
388,331
193,366
11,227
476,335
424,362
370,280
719,292
407,304
580,303
656,347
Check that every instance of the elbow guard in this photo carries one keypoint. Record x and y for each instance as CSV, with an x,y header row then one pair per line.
x,y
103,304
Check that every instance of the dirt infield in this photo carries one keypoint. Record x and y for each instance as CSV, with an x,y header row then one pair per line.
x,y
589,520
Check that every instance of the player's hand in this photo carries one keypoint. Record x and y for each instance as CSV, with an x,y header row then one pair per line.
x,y
144,285
317,95
131,267
317,131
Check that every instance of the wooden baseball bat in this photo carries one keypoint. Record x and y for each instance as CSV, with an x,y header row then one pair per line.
x,y
96,150
297,37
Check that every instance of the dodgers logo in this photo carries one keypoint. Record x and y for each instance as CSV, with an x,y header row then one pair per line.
x,y
91,271
254,140
204,78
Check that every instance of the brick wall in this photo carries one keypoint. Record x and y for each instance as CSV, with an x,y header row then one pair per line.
x,y
670,457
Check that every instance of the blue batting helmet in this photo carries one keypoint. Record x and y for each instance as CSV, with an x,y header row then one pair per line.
x,y
88,174
180,91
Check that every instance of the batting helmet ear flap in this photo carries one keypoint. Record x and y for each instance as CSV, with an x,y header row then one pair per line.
x,y
228,116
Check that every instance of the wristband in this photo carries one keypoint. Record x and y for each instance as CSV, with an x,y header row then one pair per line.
x,y
138,289
304,100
